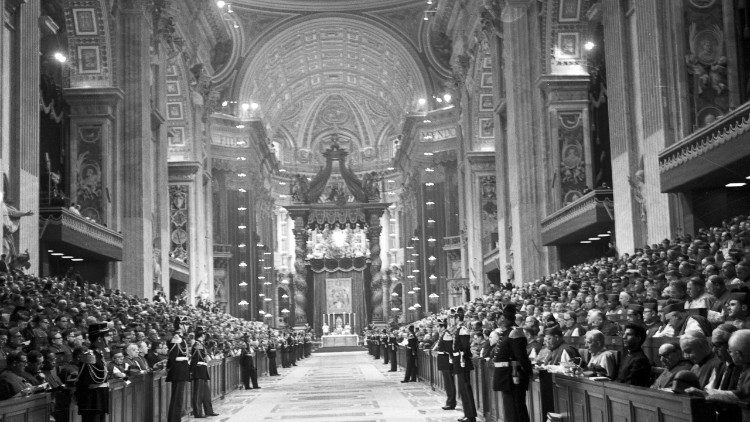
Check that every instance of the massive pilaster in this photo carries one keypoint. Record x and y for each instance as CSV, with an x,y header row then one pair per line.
x,y
137,152
638,127
23,170
520,47
93,144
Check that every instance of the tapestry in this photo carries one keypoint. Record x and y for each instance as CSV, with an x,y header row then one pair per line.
x,y
339,295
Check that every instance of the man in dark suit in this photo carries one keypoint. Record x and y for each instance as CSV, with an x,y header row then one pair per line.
x,y
201,394
635,368
384,346
444,349
512,366
178,372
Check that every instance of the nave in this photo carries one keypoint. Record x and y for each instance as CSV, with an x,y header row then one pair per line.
x,y
335,387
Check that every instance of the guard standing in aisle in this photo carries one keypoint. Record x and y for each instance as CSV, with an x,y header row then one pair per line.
x,y
271,353
412,348
178,372
512,366
201,392
444,349
376,344
384,345
393,350
92,388
462,367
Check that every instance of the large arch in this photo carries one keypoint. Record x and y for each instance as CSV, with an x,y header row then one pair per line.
x,y
318,56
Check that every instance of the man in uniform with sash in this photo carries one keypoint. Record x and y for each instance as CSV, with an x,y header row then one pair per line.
x,y
412,347
512,366
444,349
178,372
201,394
92,388
393,350
462,367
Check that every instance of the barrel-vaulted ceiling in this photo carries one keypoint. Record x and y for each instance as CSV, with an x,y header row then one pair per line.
x,y
319,74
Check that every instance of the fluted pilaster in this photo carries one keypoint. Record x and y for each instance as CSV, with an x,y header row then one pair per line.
x,y
137,178
523,167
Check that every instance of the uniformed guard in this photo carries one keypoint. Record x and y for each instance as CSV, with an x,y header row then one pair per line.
x,y
512,366
92,386
201,394
444,349
462,367
412,348
178,371
376,344
273,370
393,350
384,346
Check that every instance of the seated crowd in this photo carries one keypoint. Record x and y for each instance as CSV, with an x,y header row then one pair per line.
x,y
690,295
44,324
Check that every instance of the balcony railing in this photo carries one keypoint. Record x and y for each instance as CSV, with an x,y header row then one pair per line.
x,y
451,243
222,251
691,160
179,270
590,213
59,225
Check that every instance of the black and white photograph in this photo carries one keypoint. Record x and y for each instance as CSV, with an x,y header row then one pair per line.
x,y
375,210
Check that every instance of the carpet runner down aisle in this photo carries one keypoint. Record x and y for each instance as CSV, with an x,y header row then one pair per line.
x,y
336,387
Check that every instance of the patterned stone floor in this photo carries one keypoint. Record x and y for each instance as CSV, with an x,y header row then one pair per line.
x,y
336,387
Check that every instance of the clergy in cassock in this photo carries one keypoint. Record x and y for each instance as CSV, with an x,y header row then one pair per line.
x,y
557,350
739,349
600,362
635,368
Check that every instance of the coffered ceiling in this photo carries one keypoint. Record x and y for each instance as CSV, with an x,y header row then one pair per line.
x,y
325,73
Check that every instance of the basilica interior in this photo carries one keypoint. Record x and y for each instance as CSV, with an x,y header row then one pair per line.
x,y
223,150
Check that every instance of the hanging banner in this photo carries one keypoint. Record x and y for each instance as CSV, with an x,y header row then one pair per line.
x,y
339,295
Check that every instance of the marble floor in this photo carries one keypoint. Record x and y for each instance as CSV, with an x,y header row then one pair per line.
x,y
336,387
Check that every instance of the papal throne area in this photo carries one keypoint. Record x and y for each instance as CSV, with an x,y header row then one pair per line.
x,y
375,210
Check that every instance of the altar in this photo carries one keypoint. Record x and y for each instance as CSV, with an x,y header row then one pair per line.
x,y
339,340
337,251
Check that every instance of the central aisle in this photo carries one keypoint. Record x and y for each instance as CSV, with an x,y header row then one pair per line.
x,y
336,387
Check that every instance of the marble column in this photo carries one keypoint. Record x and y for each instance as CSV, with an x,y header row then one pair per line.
x,y
138,178
376,286
520,48
300,277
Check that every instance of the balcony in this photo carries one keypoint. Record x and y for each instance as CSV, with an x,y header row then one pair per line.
x,y
451,243
711,157
222,251
590,215
179,270
65,230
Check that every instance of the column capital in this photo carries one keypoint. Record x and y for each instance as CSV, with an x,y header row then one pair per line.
x,y
93,102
